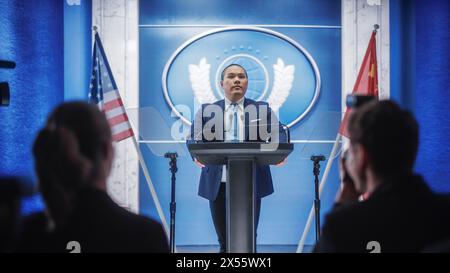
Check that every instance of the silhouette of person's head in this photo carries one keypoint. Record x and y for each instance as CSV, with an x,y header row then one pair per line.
x,y
73,151
383,142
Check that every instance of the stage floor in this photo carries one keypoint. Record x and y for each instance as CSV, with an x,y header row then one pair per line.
x,y
260,248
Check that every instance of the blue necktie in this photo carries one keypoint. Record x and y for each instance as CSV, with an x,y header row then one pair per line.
x,y
235,122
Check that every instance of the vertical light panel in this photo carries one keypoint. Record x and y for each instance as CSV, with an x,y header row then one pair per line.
x,y
77,48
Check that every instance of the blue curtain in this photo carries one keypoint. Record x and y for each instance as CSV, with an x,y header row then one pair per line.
x,y
433,91
420,39
31,34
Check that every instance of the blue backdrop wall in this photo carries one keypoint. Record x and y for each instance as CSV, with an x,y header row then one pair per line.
x,y
51,43
165,26
419,79
31,34
432,94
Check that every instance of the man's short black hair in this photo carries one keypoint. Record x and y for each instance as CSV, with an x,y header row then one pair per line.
x,y
389,134
223,71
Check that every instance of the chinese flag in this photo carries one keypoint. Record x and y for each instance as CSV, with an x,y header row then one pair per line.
x,y
367,81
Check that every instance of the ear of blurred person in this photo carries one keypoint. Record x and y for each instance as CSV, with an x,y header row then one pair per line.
x,y
400,212
73,158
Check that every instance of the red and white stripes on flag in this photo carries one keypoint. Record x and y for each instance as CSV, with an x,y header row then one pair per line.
x,y
116,115
103,91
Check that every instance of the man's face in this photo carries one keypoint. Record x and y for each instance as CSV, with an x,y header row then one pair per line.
x,y
355,165
234,83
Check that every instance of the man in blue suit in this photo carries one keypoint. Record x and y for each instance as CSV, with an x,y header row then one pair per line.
x,y
236,119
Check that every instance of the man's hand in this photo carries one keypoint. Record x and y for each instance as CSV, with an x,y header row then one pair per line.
x,y
282,163
198,163
347,191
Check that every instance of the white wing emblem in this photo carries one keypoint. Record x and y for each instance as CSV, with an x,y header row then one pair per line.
x,y
199,77
284,76
282,85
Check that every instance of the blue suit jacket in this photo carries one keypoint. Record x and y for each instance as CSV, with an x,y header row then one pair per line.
x,y
211,175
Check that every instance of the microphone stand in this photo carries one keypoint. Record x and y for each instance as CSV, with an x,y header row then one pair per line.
x,y
316,171
173,169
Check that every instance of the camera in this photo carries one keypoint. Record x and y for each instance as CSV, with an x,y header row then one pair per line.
x,y
4,94
4,86
355,101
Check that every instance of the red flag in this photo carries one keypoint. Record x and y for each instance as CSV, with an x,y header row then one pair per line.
x,y
367,81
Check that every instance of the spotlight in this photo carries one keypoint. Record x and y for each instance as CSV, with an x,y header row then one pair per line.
x,y
355,101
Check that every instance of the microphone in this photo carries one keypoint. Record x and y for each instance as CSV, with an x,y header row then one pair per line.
x,y
7,64
171,155
287,132
317,158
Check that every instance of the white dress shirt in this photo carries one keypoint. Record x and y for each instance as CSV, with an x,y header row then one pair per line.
x,y
229,126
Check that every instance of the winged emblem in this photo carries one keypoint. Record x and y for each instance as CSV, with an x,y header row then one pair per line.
x,y
199,77
282,85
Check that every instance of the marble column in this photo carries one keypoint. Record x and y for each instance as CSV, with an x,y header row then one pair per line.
x,y
117,23
358,19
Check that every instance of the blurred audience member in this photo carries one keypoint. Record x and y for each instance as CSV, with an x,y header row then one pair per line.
x,y
73,158
401,214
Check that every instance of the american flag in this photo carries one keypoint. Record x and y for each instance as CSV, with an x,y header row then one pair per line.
x,y
103,92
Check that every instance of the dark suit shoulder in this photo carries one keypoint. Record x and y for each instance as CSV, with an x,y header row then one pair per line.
x,y
212,103
207,104
216,103
250,101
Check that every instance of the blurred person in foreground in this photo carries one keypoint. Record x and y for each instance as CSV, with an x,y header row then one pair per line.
x,y
399,213
73,157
